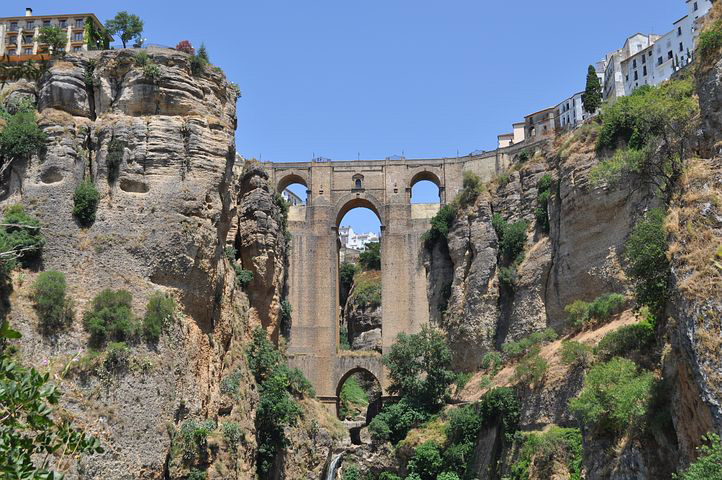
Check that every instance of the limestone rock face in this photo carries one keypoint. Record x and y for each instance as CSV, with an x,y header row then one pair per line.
x,y
165,207
363,320
261,245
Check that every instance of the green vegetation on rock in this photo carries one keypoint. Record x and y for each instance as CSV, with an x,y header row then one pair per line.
x,y
646,255
370,258
708,465
543,449
85,202
581,314
159,313
54,308
110,317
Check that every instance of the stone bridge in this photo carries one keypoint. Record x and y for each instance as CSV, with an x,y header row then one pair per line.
x,y
383,186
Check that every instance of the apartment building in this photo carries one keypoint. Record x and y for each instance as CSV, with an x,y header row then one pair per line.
x,y
614,75
540,124
570,112
19,35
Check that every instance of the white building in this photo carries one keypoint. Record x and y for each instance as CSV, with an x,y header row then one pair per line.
x,y
570,112
293,199
355,241
669,53
614,75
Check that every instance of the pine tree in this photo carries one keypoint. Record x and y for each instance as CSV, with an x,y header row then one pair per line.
x,y
592,97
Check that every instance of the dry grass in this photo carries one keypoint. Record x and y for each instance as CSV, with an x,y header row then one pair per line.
x,y
551,352
695,231
434,429
315,411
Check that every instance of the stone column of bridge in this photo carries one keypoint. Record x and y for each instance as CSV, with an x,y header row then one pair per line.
x,y
313,274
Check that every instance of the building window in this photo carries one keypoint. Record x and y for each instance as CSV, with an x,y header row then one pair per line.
x,y
644,59
695,6
13,26
634,63
30,24
626,78
660,61
79,23
46,23
12,40
63,23
28,39
28,51
77,37
636,75
77,49
679,31
670,55
11,52
681,47
644,71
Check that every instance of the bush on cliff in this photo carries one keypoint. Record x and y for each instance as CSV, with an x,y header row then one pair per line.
x,y
646,255
581,313
615,396
542,210
708,465
440,224
21,137
543,449
370,258
159,314
85,202
512,237
20,239
54,308
111,317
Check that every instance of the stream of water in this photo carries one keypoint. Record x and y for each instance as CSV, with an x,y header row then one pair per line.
x,y
333,466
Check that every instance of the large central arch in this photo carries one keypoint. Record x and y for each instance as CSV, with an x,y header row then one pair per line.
x,y
334,188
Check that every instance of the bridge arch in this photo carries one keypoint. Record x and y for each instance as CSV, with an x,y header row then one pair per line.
x,y
425,175
356,200
289,179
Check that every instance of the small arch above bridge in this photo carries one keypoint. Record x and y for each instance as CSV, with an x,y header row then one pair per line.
x,y
291,178
358,200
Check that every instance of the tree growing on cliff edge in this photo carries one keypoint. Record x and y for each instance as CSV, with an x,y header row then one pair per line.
x,y
592,96
127,25
55,38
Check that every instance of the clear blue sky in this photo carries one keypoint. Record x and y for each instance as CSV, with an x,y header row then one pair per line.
x,y
381,77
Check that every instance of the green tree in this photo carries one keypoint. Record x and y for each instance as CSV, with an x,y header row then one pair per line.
x,y
85,202
20,239
20,139
441,223
646,255
615,395
55,38
125,24
54,309
30,432
592,96
370,259
426,462
420,367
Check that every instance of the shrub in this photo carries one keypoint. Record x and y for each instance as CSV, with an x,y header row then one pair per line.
x,y
512,237
524,155
197,474
388,476
471,188
615,395
110,317
492,361
639,337
646,255
370,258
199,61
710,40
575,353
185,47
426,462
532,368
420,367
159,313
21,137
243,277
285,315
367,290
20,240
504,179
464,425
232,434
151,71
580,313
193,439
462,378
624,160
577,313
523,346
142,58
114,158
117,357
395,420
542,211
231,384
708,465
54,309
563,445
441,223
347,272
508,277
500,406
447,476
85,202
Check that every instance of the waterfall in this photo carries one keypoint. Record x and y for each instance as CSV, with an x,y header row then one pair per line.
x,y
333,466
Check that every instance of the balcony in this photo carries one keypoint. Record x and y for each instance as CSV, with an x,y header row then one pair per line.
x,y
13,28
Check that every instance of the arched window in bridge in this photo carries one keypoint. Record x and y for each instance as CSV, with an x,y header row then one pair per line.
x,y
359,280
295,194
425,191
358,180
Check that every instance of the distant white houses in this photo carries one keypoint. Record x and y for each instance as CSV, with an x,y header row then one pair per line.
x,y
293,199
644,59
356,241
